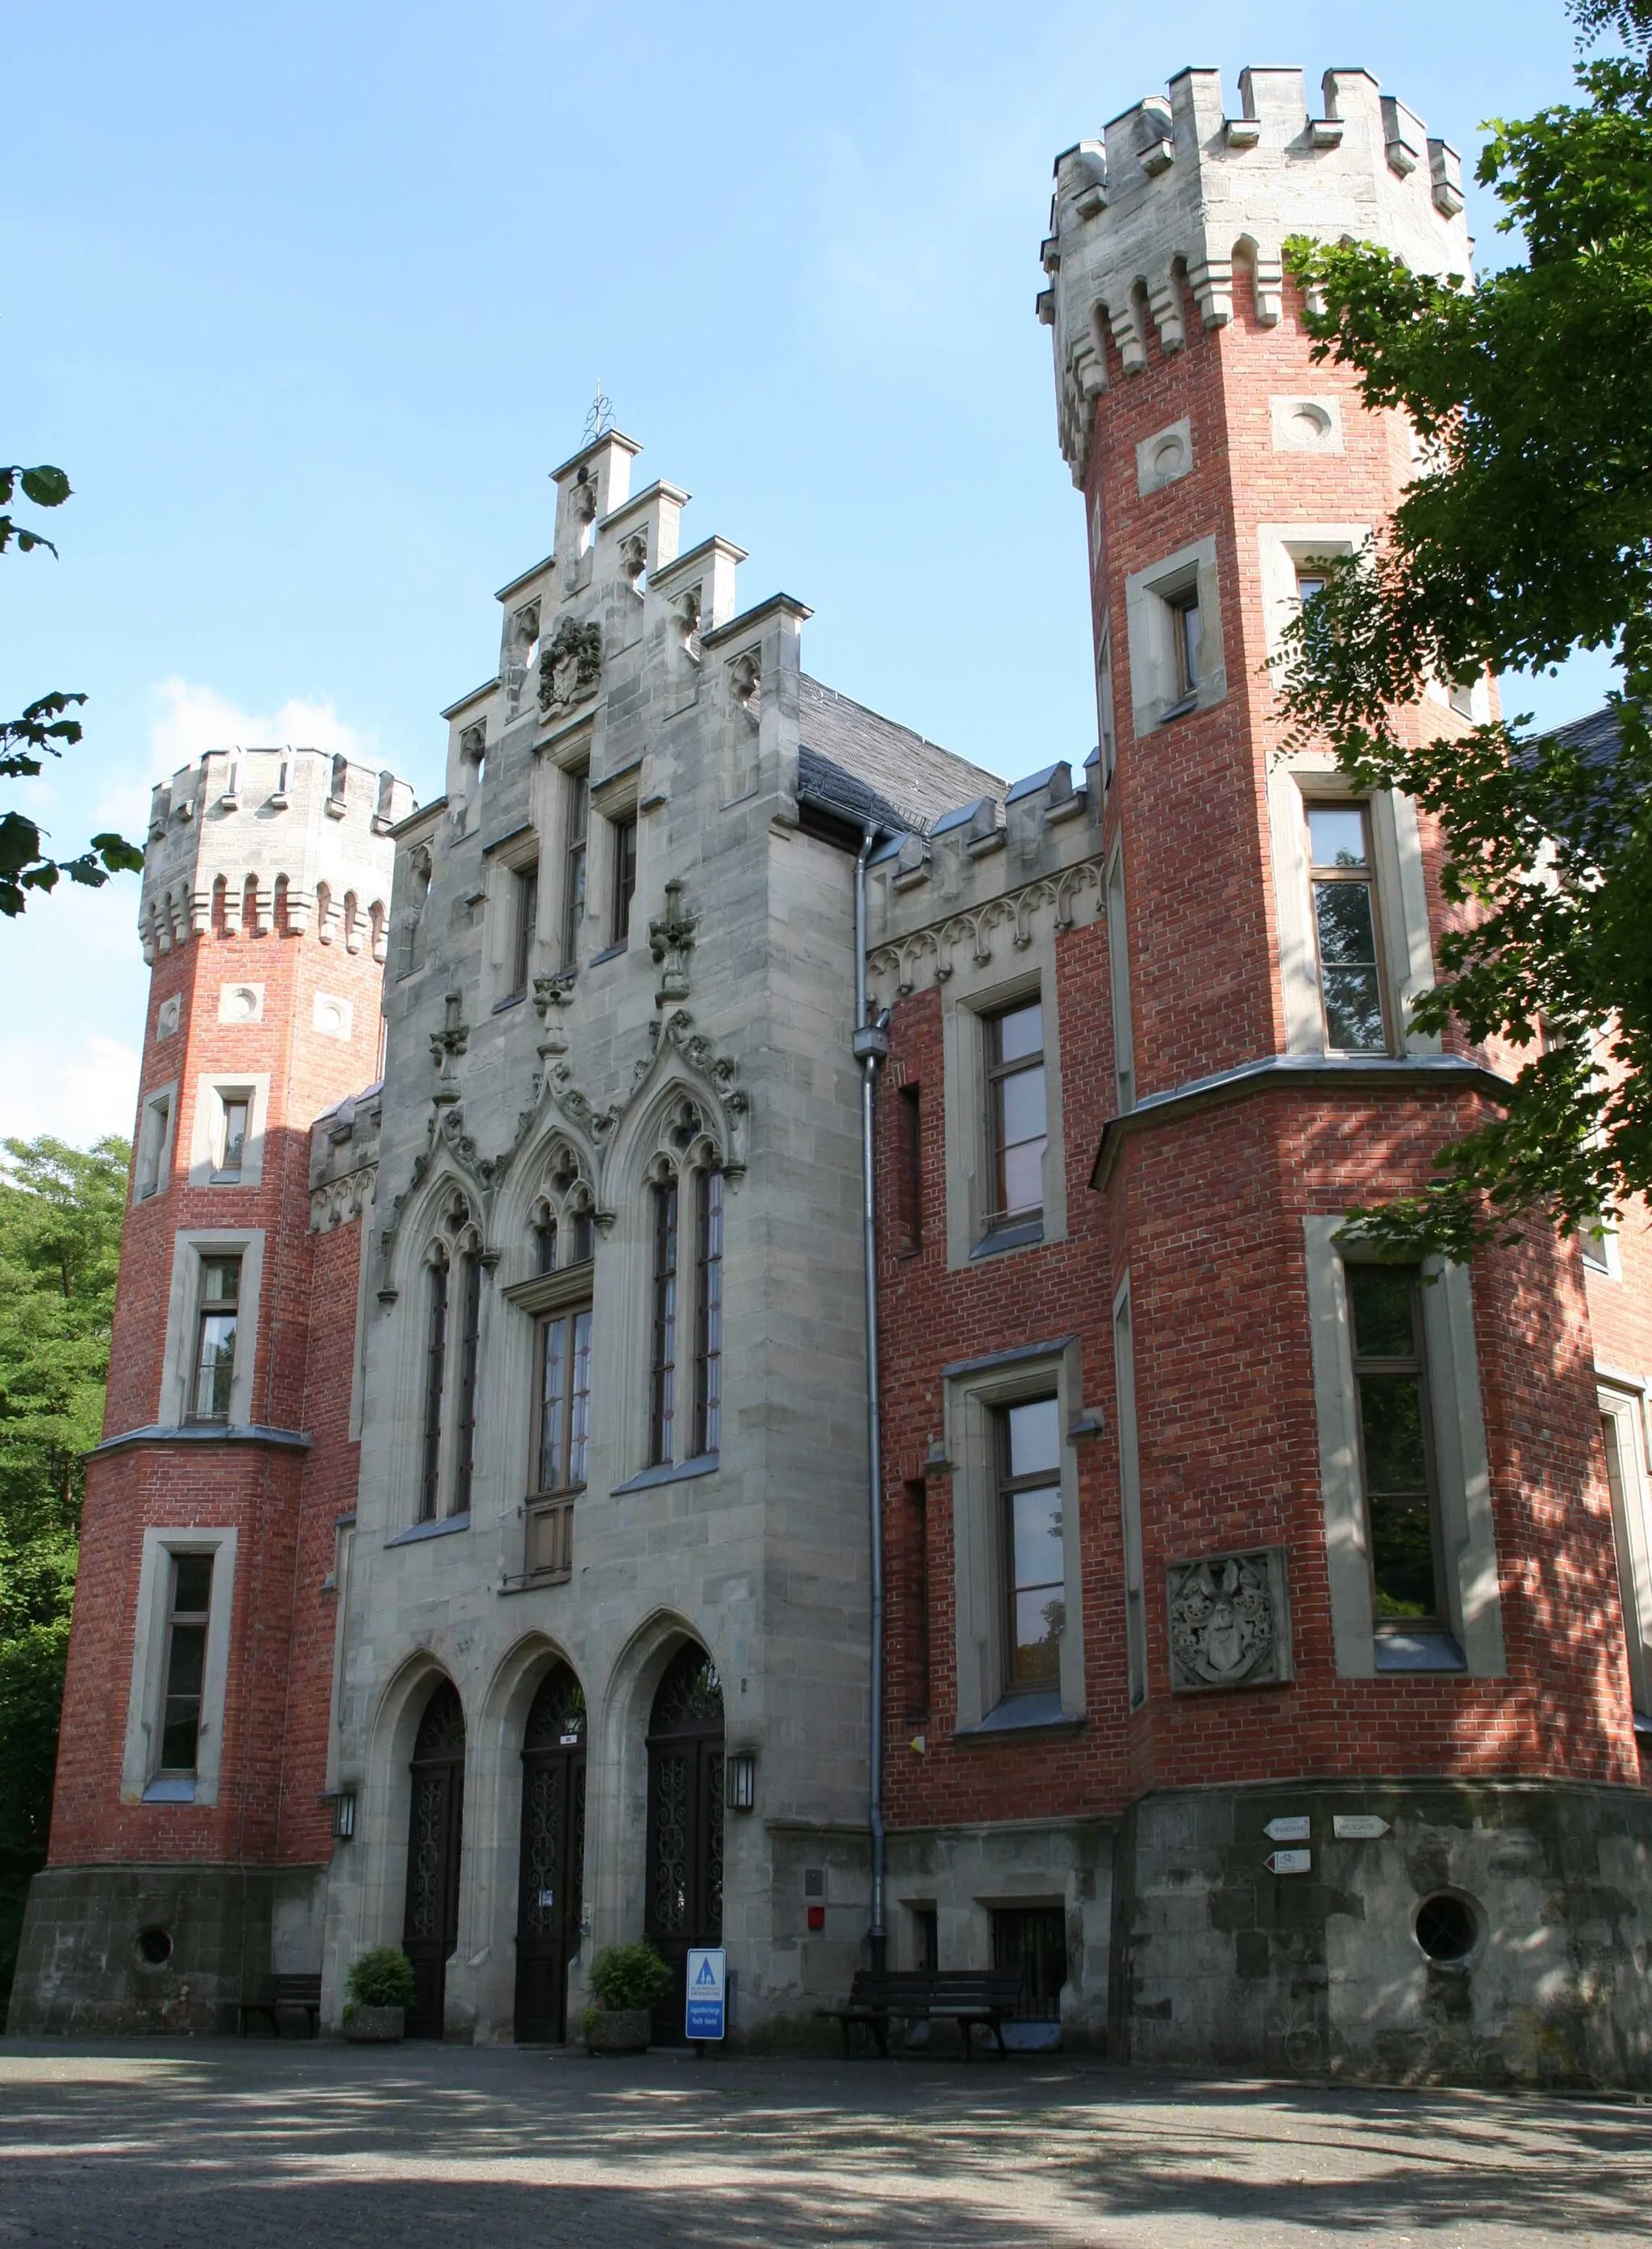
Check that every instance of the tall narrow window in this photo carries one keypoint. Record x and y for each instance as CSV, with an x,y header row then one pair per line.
x,y
544,1246
1403,1518
233,1129
525,927
1345,921
157,1117
918,1602
435,1382
1124,1037
1034,1573
1016,1073
215,1340
188,1606
909,1171
579,803
565,1400
624,879
469,1343
662,1355
1186,638
708,1312
1105,721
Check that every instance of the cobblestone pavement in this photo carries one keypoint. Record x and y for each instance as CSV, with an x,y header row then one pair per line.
x,y
152,2146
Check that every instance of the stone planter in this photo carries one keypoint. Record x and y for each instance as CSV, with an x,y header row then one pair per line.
x,y
375,2026
619,2029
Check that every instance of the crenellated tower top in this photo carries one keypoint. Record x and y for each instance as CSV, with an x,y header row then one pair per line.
x,y
287,835
1146,224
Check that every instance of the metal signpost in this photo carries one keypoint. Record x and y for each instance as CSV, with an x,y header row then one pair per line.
x,y
707,2008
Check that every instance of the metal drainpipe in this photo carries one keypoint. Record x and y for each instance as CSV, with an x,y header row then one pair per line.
x,y
871,1046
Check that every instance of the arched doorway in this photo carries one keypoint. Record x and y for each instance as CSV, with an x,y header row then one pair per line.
x,y
430,1926
548,1914
684,1901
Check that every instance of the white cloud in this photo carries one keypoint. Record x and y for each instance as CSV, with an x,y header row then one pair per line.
x,y
190,721
76,1089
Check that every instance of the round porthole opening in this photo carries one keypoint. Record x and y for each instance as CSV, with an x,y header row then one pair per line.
x,y
154,1947
1312,422
1167,460
1446,1929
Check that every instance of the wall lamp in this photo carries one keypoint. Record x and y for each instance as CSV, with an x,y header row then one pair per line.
x,y
740,1780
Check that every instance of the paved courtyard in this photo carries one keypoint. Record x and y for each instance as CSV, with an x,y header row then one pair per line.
x,y
152,2146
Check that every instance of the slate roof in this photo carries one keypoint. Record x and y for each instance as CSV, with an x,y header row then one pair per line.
x,y
861,765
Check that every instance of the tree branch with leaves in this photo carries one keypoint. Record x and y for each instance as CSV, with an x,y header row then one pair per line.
x,y
44,731
1526,534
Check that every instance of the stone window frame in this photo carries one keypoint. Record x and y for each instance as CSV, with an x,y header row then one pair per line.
x,y
1295,780
141,1747
1622,1401
975,992
1151,476
212,1089
611,807
1106,711
508,870
453,1238
1467,1538
150,1145
1124,1031
569,770
973,1392
189,1250
1156,695
1123,1329
1289,419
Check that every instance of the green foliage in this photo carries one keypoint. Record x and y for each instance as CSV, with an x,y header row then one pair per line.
x,y
60,1215
43,732
381,1977
1527,533
630,1975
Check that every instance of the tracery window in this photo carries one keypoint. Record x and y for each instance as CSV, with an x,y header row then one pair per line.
x,y
557,1295
685,1213
453,1287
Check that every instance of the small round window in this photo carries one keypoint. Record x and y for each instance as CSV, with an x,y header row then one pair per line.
x,y
1446,1929
154,1947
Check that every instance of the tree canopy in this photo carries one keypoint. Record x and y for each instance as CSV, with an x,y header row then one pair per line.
x,y
44,730
1526,534
60,1215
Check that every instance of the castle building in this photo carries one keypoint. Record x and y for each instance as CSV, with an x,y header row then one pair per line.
x,y
1249,1639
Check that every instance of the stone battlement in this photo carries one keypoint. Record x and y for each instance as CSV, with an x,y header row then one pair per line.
x,y
312,827
1147,222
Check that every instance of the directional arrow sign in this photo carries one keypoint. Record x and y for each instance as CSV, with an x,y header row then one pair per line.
x,y
1296,1829
1289,1862
1357,1826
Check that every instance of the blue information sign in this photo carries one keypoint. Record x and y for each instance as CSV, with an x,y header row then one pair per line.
x,y
707,1992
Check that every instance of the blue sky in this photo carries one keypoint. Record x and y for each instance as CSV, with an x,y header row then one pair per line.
x,y
309,299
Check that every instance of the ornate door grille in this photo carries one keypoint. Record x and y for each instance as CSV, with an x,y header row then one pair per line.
x,y
551,1899
684,1904
431,1925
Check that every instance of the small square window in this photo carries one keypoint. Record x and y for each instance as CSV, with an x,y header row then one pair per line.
x,y
233,1131
1185,641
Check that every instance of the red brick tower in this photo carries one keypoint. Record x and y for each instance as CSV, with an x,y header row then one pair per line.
x,y
190,1821
1296,1700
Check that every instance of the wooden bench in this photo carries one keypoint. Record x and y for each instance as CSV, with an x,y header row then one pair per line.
x,y
286,1992
965,1995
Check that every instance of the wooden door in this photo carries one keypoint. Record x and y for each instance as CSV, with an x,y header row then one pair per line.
x,y
430,1926
551,1894
685,1899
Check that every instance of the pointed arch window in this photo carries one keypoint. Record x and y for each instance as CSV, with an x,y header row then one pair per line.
x,y
686,1189
708,1310
470,1354
435,1383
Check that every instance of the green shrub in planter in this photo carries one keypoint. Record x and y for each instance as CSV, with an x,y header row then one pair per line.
x,y
383,1977
629,1975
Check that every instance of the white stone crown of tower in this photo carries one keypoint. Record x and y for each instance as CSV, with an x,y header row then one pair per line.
x,y
301,822
1146,225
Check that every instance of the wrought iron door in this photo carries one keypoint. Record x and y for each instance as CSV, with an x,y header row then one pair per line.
x,y
684,1900
430,1927
550,1906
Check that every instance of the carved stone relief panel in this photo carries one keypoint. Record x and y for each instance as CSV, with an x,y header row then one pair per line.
x,y
571,666
1230,1622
